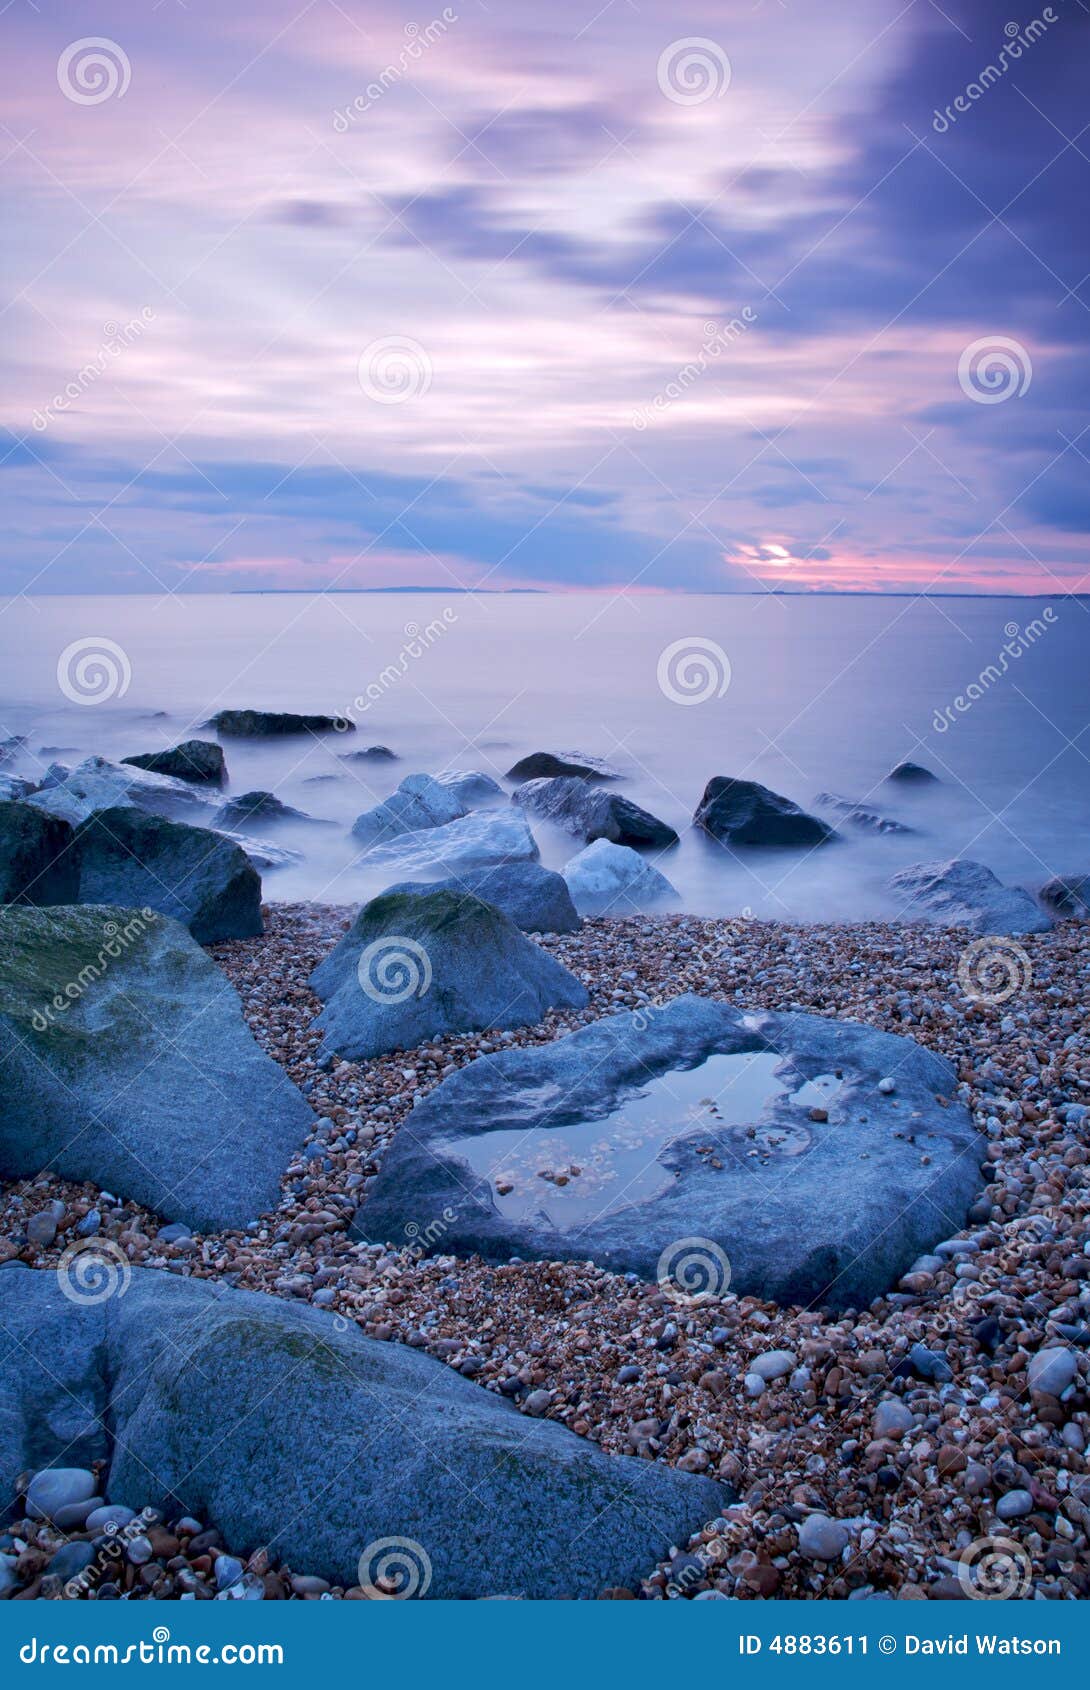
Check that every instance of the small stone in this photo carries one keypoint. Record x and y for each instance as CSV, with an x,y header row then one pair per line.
x,y
753,1385
1052,1370
773,1364
821,1538
228,1572
41,1230
107,1515
628,1375
892,1418
57,1487
886,1086
70,1560
1014,1505
139,1551
538,1403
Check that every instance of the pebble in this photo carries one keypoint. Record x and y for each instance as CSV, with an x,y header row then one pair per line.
x,y
58,1487
1014,1505
822,1539
892,1418
1052,1370
774,1364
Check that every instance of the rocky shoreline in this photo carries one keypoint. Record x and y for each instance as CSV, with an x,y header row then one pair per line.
x,y
896,1450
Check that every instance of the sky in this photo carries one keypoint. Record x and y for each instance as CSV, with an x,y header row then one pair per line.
x,y
722,297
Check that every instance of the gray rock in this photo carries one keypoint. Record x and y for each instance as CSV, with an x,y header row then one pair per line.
x,y
1052,1370
547,765
471,787
264,856
1014,1505
607,879
98,784
534,898
804,1209
74,1517
959,893
36,861
407,1449
912,774
70,1560
208,883
580,808
57,1487
742,812
41,1229
930,1364
14,787
860,816
260,808
892,1418
823,1539
199,761
419,964
474,842
371,754
10,747
125,1059
1068,895
275,724
229,1571
419,802
774,1364
113,1514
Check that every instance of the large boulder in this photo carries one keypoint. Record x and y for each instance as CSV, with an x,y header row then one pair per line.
x,y
289,1429
606,879
275,724
693,1140
420,801
203,880
591,814
471,787
473,842
98,784
124,1059
742,812
959,893
1068,895
536,899
199,761
545,765
415,965
36,861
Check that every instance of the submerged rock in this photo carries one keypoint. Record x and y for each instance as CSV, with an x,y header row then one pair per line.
x,y
545,765
742,812
382,1459
415,965
200,761
275,724
36,861
473,842
607,879
730,1166
591,814
858,815
959,893
536,899
912,774
370,754
124,1059
203,880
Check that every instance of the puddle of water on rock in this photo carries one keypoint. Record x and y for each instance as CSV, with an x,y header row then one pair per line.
x,y
578,1173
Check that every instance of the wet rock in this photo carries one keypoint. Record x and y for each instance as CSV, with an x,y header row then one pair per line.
x,y
548,765
536,899
608,879
591,814
742,812
133,860
36,863
959,893
198,760
275,724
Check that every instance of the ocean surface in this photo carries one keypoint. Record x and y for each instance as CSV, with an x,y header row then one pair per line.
x,y
805,694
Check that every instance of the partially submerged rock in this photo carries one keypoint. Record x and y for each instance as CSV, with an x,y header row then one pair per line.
x,y
1068,895
124,1059
860,816
98,784
607,879
473,842
260,808
960,893
592,814
203,880
370,754
269,1419
36,861
420,801
545,765
415,965
743,812
757,1147
275,724
912,774
199,761
536,899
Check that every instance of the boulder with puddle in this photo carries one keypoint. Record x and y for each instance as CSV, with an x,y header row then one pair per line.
x,y
694,1142
959,893
199,761
473,842
606,879
536,899
743,812
329,1447
125,1059
415,965
202,879
37,865
591,814
275,724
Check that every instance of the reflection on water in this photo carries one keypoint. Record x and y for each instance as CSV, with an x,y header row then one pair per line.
x,y
721,1109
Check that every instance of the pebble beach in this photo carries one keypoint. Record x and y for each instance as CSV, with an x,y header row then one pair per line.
x,y
922,1446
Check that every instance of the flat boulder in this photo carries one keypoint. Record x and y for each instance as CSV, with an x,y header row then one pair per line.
x,y
696,1143
275,724
607,879
349,1456
199,761
545,765
860,816
415,965
912,774
591,814
743,812
208,883
473,842
420,801
960,893
125,1059
536,899
98,784
1067,895
36,861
